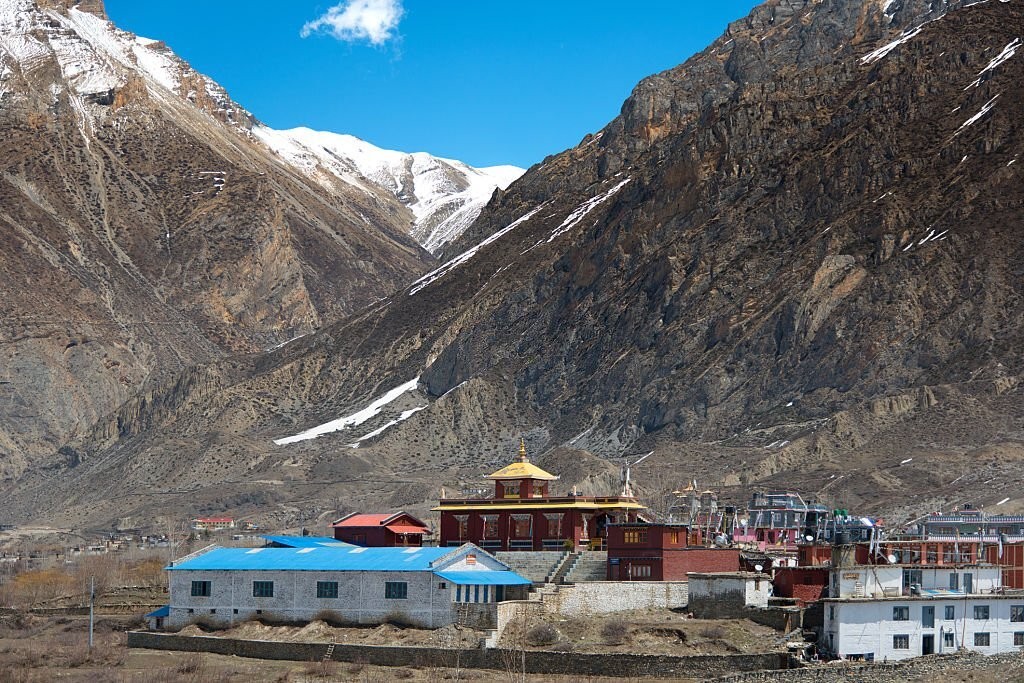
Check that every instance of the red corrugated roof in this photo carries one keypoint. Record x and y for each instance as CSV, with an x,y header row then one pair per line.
x,y
405,529
209,520
364,520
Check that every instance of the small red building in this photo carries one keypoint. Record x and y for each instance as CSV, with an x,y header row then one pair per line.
x,y
663,552
804,584
523,515
380,531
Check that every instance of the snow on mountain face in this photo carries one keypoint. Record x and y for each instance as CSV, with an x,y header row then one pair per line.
x,y
444,195
97,61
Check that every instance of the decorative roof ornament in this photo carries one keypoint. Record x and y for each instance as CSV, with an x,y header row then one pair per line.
x,y
522,450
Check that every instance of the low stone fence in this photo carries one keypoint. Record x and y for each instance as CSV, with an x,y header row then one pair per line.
x,y
605,597
566,663
931,667
584,599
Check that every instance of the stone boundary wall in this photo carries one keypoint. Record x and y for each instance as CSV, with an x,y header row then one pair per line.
x,y
566,663
606,597
598,597
79,610
931,667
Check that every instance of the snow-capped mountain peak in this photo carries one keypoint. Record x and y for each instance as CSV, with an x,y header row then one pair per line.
x,y
103,69
444,195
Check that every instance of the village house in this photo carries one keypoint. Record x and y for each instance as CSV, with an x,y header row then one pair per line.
x,y
663,552
727,595
900,610
398,529
523,515
425,587
212,523
781,519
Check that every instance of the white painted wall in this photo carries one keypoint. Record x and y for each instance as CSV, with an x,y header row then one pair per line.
x,y
360,597
859,627
749,590
887,580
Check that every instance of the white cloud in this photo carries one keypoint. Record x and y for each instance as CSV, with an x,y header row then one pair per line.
x,y
354,20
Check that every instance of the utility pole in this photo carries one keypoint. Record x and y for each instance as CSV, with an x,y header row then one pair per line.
x,y
92,601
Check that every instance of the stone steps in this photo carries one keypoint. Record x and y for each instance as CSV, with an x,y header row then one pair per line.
x,y
535,565
591,565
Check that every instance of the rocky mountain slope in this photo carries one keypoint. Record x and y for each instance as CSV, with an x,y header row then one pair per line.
x,y
146,227
794,259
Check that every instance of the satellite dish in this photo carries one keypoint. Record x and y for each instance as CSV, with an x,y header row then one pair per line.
x,y
758,567
892,559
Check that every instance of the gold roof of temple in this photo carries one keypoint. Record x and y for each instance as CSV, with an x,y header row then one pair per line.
x,y
522,468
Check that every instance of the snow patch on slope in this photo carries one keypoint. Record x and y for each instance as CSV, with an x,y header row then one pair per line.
x,y
355,419
454,263
406,414
974,119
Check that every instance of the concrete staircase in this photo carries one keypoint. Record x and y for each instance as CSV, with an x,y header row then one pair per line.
x,y
591,565
536,565
567,563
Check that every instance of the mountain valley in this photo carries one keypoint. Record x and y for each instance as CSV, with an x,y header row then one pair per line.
x,y
793,260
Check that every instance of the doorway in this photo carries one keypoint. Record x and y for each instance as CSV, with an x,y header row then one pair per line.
x,y
928,644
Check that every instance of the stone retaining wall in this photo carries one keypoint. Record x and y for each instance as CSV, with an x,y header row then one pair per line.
x,y
567,663
932,667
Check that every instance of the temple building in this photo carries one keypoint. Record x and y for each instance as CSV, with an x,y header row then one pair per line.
x,y
523,515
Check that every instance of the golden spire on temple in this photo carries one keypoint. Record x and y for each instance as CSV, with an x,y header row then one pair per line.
x,y
522,450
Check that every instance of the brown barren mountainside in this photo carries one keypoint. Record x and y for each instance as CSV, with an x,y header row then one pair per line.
x,y
143,231
794,260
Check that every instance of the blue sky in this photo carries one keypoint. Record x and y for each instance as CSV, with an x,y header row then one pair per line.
x,y
478,80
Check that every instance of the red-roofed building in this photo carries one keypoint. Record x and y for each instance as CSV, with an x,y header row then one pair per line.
x,y
380,531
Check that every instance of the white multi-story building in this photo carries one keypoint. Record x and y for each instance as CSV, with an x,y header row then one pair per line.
x,y
890,612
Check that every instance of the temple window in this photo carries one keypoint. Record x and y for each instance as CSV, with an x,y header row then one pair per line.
x,y
554,520
490,526
634,536
522,526
463,523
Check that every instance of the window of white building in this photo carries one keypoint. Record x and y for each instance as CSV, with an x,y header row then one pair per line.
x,y
1017,613
901,613
901,641
262,589
948,639
950,612
982,639
396,590
981,612
326,589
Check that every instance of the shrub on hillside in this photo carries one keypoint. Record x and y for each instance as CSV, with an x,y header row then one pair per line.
x,y
615,632
542,634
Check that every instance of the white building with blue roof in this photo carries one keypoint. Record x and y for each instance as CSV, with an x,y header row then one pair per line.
x,y
419,586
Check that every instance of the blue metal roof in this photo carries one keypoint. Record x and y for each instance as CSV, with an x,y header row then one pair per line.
x,y
316,559
307,541
164,611
484,578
